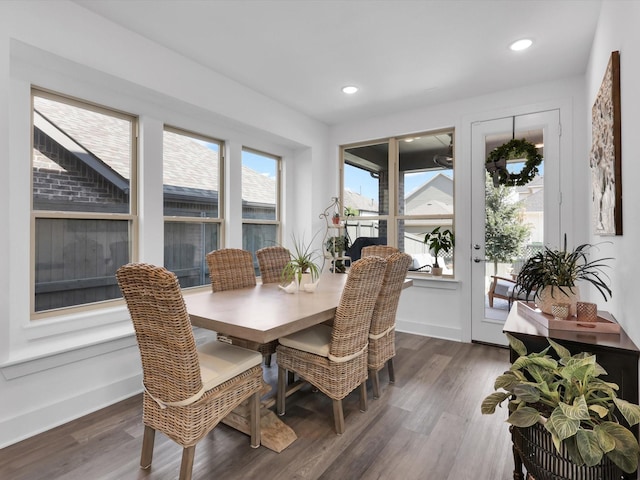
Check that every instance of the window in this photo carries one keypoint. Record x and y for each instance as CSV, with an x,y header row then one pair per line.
x,y
191,191
260,201
398,189
83,200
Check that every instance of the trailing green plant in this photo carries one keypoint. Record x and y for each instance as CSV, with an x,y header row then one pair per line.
x,y
303,260
575,406
562,268
439,241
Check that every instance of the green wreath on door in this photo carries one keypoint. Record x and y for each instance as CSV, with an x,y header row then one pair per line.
x,y
496,163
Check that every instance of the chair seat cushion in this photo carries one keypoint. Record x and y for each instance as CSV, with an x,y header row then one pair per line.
x,y
316,340
220,362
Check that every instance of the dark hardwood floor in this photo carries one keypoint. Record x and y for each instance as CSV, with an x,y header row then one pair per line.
x,y
426,426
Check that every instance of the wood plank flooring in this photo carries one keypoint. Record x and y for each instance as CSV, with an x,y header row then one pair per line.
x,y
426,426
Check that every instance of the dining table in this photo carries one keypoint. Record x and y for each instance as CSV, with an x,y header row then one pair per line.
x,y
264,313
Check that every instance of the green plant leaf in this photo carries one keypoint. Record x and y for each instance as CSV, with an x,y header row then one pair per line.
x,y
490,402
606,441
544,362
577,411
517,345
589,447
526,392
560,350
506,381
524,417
630,411
625,453
563,426
599,410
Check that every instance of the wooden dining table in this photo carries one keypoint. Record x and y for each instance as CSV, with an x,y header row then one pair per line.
x,y
261,314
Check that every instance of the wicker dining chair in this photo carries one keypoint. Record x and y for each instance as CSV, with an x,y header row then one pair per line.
x,y
382,334
187,390
230,269
380,250
271,261
334,359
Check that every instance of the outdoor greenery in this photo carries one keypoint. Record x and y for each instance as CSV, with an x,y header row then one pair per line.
x,y
505,234
575,406
561,268
303,260
439,241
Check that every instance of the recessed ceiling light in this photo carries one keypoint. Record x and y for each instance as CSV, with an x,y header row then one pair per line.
x,y
350,89
521,45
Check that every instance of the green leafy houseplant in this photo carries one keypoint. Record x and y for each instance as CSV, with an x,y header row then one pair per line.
x,y
303,260
561,269
336,246
575,406
439,241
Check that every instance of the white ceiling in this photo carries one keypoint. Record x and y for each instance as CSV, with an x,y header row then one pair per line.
x,y
401,53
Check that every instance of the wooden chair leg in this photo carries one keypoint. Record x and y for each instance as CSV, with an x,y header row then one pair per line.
x,y
338,416
147,447
281,394
392,375
267,360
375,383
255,420
363,396
186,467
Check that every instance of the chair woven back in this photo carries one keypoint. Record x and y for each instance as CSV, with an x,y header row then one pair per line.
x,y
170,366
231,268
353,316
272,261
384,313
379,250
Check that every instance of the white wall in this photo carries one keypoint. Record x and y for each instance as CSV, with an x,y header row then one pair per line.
x,y
56,369
441,308
618,30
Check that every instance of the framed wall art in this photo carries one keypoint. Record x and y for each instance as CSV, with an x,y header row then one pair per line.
x,y
605,159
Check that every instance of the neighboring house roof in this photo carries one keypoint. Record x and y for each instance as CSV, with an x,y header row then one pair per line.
x,y
190,167
533,194
359,202
434,197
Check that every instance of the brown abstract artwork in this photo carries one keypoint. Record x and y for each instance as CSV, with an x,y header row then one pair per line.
x,y
606,153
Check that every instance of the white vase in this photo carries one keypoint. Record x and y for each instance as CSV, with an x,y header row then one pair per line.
x,y
304,280
550,295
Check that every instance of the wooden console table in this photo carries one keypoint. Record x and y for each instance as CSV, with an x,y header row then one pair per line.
x,y
617,354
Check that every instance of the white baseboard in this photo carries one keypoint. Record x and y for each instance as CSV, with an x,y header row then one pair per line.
x,y
15,429
435,331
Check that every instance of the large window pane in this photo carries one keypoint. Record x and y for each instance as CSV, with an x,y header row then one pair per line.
x,y
191,171
259,186
185,247
260,201
83,160
76,260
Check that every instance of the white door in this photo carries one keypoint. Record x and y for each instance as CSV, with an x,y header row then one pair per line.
x,y
529,214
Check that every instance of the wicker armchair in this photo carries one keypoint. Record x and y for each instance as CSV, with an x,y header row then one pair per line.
x,y
271,261
187,391
380,250
334,359
382,335
230,269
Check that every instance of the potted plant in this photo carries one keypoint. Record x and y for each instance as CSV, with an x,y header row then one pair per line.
x,y
336,218
552,275
567,400
336,246
303,261
439,241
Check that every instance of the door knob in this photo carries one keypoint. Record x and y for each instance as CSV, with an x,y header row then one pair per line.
x,y
478,260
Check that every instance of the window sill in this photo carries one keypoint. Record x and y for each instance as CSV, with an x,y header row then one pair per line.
x,y
429,281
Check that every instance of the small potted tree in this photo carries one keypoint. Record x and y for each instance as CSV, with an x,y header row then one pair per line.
x,y
439,241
